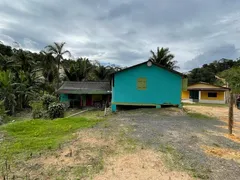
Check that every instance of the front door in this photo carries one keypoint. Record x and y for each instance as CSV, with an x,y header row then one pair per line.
x,y
194,95
89,100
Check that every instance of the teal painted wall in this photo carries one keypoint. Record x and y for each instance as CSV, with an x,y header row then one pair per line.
x,y
63,97
162,86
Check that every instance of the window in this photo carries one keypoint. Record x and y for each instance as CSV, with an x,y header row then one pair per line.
x,y
141,83
212,94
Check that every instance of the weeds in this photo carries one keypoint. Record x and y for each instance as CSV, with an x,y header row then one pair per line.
x,y
199,115
37,135
174,160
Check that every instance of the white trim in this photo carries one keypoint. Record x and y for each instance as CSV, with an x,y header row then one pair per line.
x,y
199,95
212,101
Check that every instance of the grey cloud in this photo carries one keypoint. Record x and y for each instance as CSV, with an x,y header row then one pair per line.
x,y
125,31
227,51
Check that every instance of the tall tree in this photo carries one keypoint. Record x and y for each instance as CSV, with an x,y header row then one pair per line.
x,y
207,72
164,58
48,66
57,49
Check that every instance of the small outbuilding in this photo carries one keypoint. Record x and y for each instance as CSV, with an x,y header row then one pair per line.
x,y
85,94
146,84
203,92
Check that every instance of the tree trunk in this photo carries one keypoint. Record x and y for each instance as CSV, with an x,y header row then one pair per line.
x,y
58,78
230,115
13,110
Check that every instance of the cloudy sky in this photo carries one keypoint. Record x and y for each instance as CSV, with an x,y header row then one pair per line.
x,y
123,32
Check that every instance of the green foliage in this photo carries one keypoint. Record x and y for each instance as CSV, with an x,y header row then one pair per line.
x,y
208,71
232,77
164,58
37,109
78,70
102,73
47,99
25,76
57,50
56,110
30,136
7,91
3,116
5,50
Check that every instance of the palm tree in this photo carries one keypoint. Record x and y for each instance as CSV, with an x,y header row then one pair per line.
x,y
6,63
7,92
25,60
48,66
102,73
57,50
78,70
27,87
164,57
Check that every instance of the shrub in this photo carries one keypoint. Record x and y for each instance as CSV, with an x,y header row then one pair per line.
x,y
37,109
47,99
56,110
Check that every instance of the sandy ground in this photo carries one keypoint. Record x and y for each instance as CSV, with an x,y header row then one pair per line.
x,y
220,113
141,165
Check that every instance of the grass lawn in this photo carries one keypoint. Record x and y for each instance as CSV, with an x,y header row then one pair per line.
x,y
31,136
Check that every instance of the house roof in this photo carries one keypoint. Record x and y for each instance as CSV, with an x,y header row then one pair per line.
x,y
156,64
201,86
85,87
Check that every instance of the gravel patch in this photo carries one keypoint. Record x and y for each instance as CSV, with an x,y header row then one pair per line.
x,y
184,137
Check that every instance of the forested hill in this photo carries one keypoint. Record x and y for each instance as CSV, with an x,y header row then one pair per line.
x,y
207,72
25,76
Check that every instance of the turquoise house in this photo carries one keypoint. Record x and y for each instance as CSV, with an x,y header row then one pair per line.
x,y
146,84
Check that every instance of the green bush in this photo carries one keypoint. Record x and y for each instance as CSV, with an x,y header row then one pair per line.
x,y
56,110
3,116
47,99
37,109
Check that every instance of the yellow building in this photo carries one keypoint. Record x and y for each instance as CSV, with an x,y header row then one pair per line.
x,y
205,93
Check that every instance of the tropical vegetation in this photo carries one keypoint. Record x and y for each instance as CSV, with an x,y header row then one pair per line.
x,y
26,76
208,72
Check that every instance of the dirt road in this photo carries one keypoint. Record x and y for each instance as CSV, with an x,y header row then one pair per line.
x,y
198,146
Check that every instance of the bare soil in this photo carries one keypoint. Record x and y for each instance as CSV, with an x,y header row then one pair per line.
x,y
142,144
140,165
220,113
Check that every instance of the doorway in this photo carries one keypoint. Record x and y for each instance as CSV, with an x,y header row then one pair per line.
x,y
194,95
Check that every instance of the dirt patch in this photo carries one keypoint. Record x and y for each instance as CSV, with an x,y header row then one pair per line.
x,y
225,153
233,138
219,113
144,164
